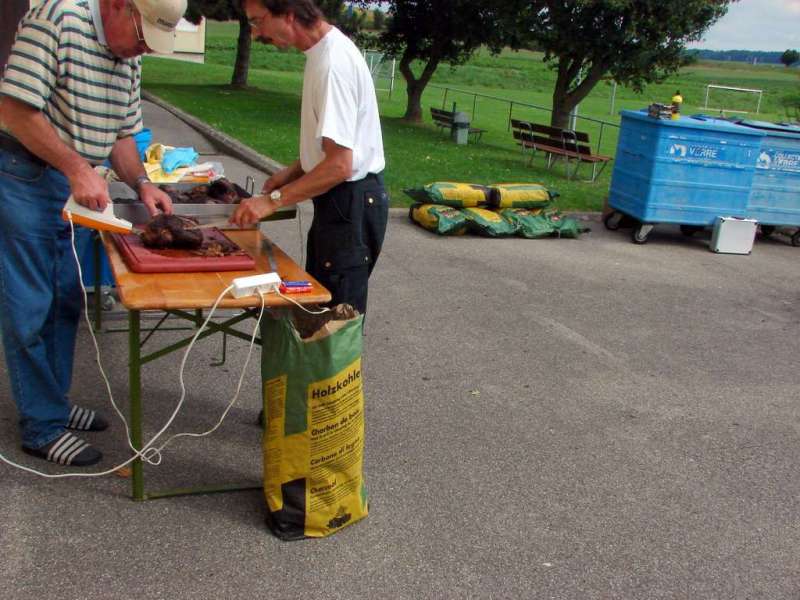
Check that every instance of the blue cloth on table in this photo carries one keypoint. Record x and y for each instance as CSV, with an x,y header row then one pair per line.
x,y
178,157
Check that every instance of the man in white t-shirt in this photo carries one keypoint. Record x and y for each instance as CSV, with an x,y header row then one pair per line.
x,y
341,150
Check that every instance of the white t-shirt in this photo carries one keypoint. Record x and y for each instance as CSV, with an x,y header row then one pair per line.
x,y
339,103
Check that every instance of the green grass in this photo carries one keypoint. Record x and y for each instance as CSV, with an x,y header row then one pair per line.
x,y
266,115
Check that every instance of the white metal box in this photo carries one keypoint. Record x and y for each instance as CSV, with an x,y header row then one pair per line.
x,y
733,236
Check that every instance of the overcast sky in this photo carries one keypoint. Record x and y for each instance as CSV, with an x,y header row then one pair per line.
x,y
756,25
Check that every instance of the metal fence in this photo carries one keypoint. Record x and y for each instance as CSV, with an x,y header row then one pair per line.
x,y
512,104
381,67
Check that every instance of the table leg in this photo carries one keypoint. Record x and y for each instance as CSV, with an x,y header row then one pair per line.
x,y
136,360
135,383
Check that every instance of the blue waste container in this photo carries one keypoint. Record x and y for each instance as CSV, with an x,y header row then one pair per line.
x,y
687,171
87,265
775,194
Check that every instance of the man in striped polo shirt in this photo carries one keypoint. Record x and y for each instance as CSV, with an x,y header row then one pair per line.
x,y
69,100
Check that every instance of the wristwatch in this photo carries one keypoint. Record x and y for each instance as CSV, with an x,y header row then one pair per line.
x,y
140,181
275,198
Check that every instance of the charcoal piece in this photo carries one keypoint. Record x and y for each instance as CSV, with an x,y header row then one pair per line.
x,y
308,324
170,231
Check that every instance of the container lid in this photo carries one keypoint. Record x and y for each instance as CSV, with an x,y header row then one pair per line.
x,y
772,128
704,122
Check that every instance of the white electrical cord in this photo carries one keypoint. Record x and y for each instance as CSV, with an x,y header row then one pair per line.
x,y
293,301
143,453
148,452
156,452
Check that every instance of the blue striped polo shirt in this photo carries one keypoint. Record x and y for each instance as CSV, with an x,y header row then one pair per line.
x,y
58,65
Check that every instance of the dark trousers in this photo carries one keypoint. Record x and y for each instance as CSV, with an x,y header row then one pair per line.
x,y
346,237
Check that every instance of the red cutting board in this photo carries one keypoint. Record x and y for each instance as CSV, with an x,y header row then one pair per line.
x,y
149,260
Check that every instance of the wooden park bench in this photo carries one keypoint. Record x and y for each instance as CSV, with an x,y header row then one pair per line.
x,y
443,119
558,143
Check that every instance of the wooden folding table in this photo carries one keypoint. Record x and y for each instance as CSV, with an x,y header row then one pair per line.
x,y
186,295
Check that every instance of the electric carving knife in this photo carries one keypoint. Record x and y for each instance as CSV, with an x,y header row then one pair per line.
x,y
104,220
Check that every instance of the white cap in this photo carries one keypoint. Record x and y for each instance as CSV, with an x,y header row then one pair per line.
x,y
159,20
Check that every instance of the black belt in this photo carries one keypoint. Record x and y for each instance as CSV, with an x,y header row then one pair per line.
x,y
368,177
10,144
351,185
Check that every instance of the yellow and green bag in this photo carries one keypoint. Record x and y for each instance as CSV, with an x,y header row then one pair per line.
x,y
529,223
488,222
314,436
444,220
538,223
520,195
450,193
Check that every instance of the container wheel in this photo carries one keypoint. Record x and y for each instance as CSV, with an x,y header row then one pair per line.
x,y
640,233
690,230
796,238
612,220
767,230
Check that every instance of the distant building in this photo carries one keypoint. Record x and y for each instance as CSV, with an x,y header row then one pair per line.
x,y
190,40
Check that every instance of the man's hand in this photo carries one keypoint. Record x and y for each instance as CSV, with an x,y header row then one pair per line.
x,y
88,188
278,180
253,210
153,198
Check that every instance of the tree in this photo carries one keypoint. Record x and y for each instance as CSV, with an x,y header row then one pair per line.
x,y
441,31
378,19
635,41
790,57
343,15
336,11
227,10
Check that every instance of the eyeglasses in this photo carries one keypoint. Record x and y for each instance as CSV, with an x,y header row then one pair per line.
x,y
255,22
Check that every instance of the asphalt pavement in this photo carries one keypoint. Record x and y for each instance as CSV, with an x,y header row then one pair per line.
x,y
562,419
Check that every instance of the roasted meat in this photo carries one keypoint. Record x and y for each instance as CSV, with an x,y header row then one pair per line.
x,y
223,247
224,191
170,231
175,232
221,191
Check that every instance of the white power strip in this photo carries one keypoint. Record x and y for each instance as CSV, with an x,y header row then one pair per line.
x,y
252,285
